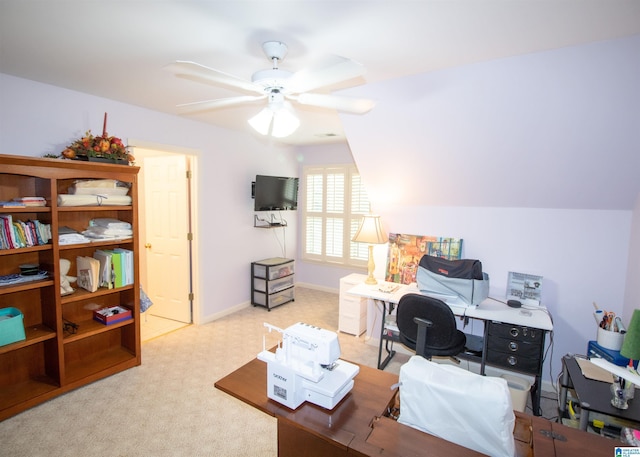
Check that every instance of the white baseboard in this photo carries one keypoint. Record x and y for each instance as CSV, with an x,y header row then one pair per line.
x,y
226,312
306,285
233,309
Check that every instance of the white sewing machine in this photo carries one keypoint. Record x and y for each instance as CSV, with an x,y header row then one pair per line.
x,y
306,367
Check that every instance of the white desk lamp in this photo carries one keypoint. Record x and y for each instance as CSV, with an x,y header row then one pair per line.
x,y
370,231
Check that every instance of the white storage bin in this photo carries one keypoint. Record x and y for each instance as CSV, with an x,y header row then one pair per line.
x,y
269,268
519,390
274,286
279,298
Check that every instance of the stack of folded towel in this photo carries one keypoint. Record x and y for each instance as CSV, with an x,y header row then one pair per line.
x,y
101,192
107,228
66,235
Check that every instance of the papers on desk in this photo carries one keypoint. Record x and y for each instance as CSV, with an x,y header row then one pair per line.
x,y
388,288
592,371
622,372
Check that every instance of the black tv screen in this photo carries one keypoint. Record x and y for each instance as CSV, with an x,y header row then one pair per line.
x,y
275,193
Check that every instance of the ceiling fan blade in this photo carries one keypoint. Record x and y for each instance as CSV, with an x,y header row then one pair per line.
x,y
199,73
208,105
348,105
334,70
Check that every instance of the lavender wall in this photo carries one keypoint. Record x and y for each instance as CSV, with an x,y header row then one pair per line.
x,y
532,160
37,118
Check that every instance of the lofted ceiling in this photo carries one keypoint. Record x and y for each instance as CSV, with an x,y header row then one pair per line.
x,y
117,49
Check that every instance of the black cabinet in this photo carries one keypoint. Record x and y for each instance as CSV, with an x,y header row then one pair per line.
x,y
515,347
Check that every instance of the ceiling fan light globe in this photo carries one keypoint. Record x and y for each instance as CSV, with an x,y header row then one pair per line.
x,y
284,123
262,121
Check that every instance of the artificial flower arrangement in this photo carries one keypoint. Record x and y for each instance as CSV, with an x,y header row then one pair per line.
x,y
104,146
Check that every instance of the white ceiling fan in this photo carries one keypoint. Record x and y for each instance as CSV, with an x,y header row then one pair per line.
x,y
278,87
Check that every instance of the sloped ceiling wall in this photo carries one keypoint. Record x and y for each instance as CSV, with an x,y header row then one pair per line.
x,y
533,160
556,129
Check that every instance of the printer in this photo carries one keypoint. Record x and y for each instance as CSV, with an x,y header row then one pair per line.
x,y
306,366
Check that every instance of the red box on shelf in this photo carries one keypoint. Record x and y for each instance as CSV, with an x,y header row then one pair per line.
x,y
112,314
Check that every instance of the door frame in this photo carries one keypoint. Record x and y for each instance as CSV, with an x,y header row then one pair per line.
x,y
193,155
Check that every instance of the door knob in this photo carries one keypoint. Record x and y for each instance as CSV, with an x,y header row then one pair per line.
x,y
147,245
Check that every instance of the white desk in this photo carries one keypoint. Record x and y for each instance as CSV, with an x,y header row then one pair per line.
x,y
513,338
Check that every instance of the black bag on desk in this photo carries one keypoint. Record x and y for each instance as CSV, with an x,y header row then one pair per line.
x,y
460,279
462,269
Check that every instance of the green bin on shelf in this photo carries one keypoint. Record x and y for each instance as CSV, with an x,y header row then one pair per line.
x,y
11,326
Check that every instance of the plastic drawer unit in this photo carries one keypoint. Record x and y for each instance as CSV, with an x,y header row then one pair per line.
x,y
272,282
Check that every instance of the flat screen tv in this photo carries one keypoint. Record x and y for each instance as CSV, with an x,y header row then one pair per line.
x,y
275,193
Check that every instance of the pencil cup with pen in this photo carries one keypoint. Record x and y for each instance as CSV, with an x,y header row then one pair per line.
x,y
609,339
610,329
612,335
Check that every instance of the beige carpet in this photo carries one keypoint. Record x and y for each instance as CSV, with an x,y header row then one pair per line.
x,y
168,406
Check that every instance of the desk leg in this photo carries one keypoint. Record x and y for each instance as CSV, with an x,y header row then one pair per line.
x,y
390,352
564,387
536,390
584,419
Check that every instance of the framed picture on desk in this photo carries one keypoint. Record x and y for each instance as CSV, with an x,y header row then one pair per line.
x,y
405,252
524,287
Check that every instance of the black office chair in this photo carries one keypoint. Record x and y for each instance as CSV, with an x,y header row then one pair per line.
x,y
428,326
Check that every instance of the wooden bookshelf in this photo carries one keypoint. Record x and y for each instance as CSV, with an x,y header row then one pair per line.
x,y
51,360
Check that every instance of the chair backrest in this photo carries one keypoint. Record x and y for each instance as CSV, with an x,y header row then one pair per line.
x,y
416,305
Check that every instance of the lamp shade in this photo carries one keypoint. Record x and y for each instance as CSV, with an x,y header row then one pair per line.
x,y
285,122
262,121
631,344
370,231
278,118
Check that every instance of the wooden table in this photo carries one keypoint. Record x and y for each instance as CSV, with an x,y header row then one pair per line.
x,y
358,425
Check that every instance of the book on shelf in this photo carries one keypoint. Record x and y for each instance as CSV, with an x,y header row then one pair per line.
x,y
88,273
16,234
116,267
12,204
126,265
105,277
31,201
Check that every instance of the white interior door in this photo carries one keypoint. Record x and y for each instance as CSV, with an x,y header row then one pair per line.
x,y
167,229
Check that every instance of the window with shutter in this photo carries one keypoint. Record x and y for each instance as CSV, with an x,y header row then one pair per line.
x,y
335,200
